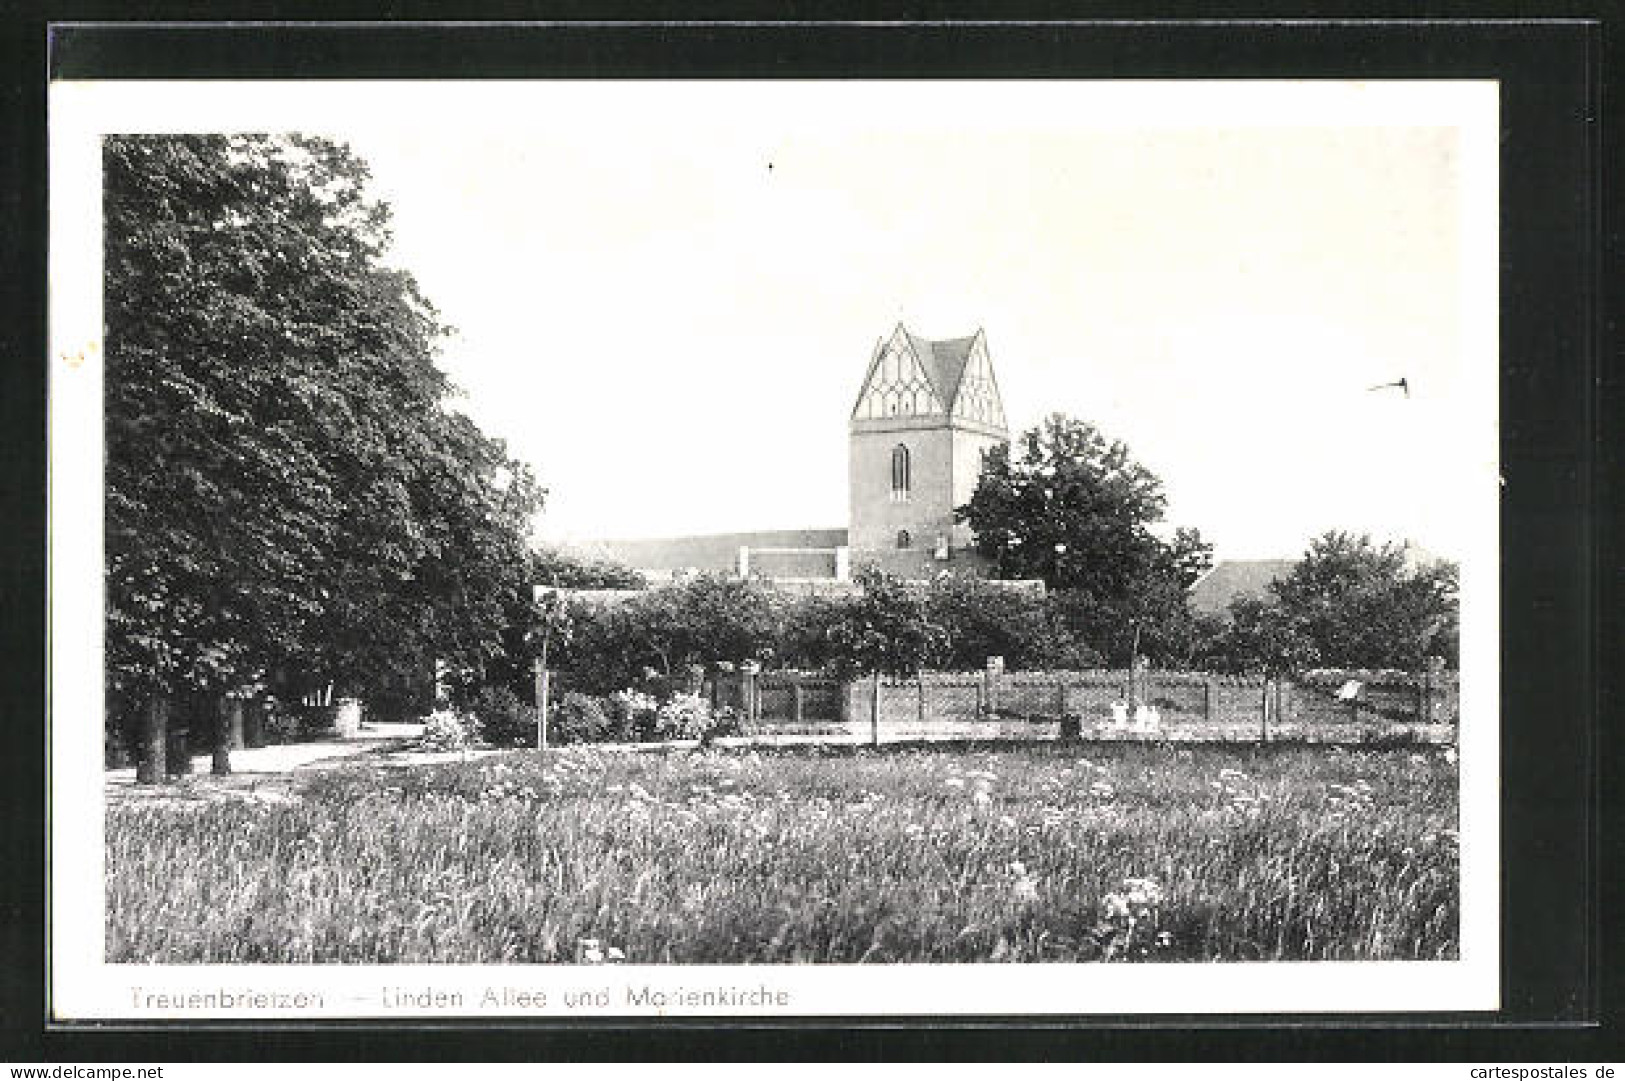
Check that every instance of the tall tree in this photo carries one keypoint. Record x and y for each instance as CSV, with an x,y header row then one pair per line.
x,y
288,495
1361,605
1069,506
1348,603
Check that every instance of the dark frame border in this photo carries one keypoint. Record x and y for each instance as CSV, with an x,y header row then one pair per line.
x,y
1555,393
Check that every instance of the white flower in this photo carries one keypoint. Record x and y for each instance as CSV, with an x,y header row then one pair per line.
x,y
981,798
1142,892
955,782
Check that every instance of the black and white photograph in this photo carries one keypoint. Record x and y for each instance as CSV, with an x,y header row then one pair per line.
x,y
638,548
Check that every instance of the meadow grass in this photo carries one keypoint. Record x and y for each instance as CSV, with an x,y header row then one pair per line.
x,y
1010,853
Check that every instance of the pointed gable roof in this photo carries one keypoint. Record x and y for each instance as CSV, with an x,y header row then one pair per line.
x,y
913,376
944,363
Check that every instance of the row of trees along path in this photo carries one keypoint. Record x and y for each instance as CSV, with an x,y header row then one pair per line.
x,y
291,502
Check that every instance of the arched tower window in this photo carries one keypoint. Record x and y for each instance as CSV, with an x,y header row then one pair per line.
x,y
900,480
903,539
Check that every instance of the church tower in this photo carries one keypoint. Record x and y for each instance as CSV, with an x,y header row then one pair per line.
x,y
925,415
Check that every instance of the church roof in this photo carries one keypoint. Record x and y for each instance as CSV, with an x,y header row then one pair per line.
x,y
911,376
944,362
713,552
1232,579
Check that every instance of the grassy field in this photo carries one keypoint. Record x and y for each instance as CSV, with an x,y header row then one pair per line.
x,y
1039,852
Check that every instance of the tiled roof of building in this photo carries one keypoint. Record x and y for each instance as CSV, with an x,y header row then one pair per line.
x,y
944,363
1233,579
798,563
711,552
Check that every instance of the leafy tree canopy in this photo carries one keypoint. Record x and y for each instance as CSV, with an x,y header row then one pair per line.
x,y
1348,603
886,628
1067,505
565,570
288,493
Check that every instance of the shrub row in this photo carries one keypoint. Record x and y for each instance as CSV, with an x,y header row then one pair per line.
x,y
498,718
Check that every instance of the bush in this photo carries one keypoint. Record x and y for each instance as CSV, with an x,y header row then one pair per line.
x,y
726,722
632,715
579,718
444,730
504,720
684,716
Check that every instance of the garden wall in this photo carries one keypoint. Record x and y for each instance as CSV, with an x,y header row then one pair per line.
x,y
1034,705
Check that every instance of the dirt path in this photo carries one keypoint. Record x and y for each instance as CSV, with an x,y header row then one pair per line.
x,y
261,773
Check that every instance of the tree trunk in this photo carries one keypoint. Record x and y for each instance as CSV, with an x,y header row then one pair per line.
x,y
254,723
151,757
234,715
223,732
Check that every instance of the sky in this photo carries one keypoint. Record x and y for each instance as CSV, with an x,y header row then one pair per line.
x,y
666,295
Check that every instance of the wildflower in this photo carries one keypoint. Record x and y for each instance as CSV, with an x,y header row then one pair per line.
x,y
981,798
1142,892
955,782
615,954
1450,755
1115,906
1007,822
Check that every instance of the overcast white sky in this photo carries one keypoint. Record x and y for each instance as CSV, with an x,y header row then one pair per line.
x,y
666,293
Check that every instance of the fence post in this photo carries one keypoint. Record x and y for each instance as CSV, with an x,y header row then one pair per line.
x,y
796,708
874,713
919,683
543,686
1208,696
750,691
1264,714
1071,727
1424,698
